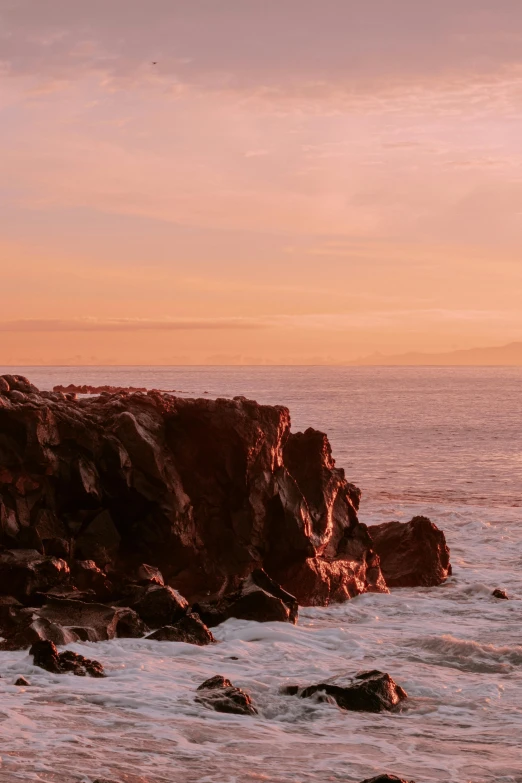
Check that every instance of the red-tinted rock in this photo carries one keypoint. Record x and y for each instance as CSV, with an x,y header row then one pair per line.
x,y
25,571
46,656
219,694
371,691
101,622
161,606
87,576
498,593
412,554
205,490
147,574
189,629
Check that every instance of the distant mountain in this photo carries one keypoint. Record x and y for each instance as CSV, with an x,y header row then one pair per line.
x,y
493,356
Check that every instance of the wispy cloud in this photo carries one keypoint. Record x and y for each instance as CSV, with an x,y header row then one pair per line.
x,y
127,324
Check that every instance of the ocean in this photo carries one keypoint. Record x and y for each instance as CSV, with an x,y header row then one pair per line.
x,y
443,442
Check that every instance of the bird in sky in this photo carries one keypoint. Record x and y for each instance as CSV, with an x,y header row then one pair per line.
x,y
154,62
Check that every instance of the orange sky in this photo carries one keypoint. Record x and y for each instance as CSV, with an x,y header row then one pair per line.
x,y
294,182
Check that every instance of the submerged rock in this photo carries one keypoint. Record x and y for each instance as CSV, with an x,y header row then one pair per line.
x,y
219,694
189,629
46,656
386,779
22,682
412,554
371,691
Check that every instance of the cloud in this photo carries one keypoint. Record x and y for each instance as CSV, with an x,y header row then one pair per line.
x,y
126,324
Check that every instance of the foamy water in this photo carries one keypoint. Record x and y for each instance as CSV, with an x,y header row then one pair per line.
x,y
443,442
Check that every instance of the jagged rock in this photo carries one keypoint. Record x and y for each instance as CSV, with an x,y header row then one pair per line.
x,y
386,779
219,694
147,574
56,547
160,606
87,576
129,477
498,593
21,681
189,629
371,691
412,554
259,598
25,571
100,622
37,629
46,656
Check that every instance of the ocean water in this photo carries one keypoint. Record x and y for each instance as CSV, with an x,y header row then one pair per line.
x,y
445,442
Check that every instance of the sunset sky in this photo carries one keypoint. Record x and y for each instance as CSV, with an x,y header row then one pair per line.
x,y
295,181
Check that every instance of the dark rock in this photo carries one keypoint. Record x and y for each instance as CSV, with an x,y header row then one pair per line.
x,y
386,779
100,621
371,691
149,575
87,576
498,593
412,554
25,571
189,629
46,656
57,547
160,606
4,385
35,630
258,598
219,694
129,477
19,383
22,682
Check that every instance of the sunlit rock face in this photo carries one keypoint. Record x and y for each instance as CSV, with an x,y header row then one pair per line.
x,y
205,490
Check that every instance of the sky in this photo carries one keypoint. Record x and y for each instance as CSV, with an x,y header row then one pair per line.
x,y
293,181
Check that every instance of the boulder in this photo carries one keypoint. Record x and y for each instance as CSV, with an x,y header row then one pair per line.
x,y
258,598
147,574
19,383
189,629
498,593
160,606
87,576
35,630
371,691
412,554
218,693
100,622
46,656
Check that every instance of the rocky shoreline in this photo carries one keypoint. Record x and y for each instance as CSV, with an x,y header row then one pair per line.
x,y
127,512
140,514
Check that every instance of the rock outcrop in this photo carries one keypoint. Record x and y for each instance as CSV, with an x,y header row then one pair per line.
x,y
219,694
207,491
371,691
412,554
386,779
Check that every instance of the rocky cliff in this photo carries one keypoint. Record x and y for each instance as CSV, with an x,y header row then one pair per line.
x,y
205,490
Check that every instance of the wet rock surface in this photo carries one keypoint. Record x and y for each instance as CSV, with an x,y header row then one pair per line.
x,y
218,693
371,691
412,554
498,593
190,629
46,656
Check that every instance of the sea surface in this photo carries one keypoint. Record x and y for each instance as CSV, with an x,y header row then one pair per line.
x,y
444,442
